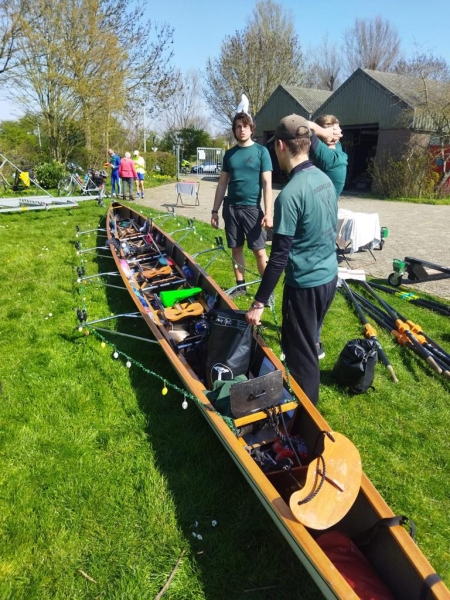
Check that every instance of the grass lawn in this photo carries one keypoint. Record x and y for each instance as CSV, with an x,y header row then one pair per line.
x,y
105,480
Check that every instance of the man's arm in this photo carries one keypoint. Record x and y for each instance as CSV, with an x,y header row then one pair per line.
x,y
218,198
266,178
329,135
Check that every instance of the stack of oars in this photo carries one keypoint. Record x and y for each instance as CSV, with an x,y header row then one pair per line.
x,y
406,332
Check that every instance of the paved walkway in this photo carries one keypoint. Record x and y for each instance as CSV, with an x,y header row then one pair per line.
x,y
415,230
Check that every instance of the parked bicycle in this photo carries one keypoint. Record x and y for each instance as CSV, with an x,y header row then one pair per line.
x,y
92,184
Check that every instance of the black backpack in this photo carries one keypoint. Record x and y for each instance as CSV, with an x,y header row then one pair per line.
x,y
355,367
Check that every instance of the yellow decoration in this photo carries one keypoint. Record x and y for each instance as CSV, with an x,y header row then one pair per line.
x,y
103,344
164,391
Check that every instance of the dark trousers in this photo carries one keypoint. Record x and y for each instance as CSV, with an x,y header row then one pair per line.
x,y
304,310
127,182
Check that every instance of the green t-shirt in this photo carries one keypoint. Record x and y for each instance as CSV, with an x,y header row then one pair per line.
x,y
333,162
306,209
244,164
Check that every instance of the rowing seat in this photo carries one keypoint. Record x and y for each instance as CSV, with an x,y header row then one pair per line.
x,y
183,311
151,273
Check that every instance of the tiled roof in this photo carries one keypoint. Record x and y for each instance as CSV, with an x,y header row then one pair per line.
x,y
310,99
413,91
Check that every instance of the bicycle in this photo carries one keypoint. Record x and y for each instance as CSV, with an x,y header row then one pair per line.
x,y
92,184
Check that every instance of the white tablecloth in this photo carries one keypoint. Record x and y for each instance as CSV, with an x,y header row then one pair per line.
x,y
186,187
356,229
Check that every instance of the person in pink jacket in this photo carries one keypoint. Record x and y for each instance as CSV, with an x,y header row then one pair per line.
x,y
127,173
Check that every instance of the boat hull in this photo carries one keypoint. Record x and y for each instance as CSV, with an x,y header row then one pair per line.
x,y
394,555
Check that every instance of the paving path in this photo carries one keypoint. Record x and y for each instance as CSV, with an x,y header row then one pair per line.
x,y
415,230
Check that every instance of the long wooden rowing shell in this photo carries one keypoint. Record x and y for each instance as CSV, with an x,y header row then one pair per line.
x,y
326,492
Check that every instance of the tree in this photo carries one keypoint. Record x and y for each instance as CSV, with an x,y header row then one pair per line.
x,y
371,44
10,31
424,65
183,109
254,61
189,139
325,67
85,62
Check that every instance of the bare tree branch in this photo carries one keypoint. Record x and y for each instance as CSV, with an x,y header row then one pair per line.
x,y
371,44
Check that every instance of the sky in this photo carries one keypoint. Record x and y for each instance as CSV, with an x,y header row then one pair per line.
x,y
200,26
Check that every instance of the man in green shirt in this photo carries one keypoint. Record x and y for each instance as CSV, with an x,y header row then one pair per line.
x,y
247,172
303,246
327,154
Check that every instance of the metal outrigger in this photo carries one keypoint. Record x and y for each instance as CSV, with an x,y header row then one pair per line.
x,y
82,315
217,249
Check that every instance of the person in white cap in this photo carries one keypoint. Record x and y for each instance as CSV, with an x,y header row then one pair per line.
x,y
303,246
139,165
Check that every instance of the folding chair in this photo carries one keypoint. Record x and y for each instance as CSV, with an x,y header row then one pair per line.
x,y
187,188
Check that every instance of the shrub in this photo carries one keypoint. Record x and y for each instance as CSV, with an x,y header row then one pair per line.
x,y
409,175
48,174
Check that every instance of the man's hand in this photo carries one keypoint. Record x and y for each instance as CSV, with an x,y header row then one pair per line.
x,y
267,222
215,220
253,315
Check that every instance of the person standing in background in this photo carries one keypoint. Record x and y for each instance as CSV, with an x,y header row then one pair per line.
x,y
127,173
326,150
139,165
114,163
247,173
327,154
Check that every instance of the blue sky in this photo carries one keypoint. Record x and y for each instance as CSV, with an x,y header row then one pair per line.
x,y
200,26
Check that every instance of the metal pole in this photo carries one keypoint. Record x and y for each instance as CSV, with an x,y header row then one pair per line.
x,y
145,136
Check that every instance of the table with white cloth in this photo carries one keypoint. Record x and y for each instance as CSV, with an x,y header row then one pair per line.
x,y
357,230
187,188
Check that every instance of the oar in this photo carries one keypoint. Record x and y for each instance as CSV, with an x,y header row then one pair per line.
x,y
387,323
403,327
370,332
430,304
424,339
162,259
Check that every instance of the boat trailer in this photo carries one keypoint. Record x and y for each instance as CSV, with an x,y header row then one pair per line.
x,y
418,270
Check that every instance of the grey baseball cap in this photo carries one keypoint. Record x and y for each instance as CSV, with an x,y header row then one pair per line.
x,y
290,128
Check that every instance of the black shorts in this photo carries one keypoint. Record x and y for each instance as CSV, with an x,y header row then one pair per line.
x,y
243,223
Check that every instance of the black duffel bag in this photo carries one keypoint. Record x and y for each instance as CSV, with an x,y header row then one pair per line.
x,y
229,345
355,367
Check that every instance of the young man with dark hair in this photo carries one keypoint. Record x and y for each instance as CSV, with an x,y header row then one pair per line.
x,y
326,153
303,246
247,173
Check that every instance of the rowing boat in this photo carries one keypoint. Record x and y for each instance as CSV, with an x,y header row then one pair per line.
x,y
308,477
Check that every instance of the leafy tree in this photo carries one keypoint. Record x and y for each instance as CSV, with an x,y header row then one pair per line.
x,y
19,141
371,44
189,139
10,32
89,61
254,61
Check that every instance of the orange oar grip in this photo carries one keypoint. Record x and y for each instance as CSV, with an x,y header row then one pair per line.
x,y
370,331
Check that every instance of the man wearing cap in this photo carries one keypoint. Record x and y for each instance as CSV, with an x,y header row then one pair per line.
x,y
247,172
139,165
305,221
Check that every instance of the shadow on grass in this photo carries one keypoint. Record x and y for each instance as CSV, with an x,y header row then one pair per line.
x,y
244,555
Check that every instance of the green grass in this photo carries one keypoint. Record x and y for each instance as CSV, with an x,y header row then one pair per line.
x,y
103,476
